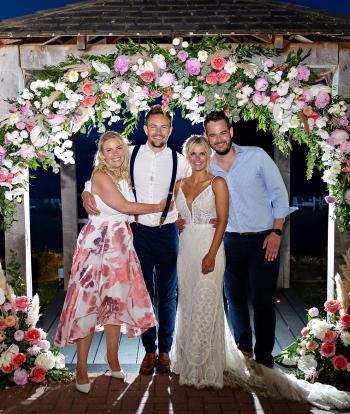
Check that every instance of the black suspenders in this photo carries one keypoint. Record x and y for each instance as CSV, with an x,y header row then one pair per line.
x,y
171,186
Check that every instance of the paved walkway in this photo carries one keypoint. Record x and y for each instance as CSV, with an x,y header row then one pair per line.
x,y
141,395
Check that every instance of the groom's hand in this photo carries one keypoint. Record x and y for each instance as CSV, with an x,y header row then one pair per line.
x,y
180,223
89,204
272,245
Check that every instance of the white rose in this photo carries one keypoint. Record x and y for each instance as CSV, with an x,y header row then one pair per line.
x,y
148,66
135,68
45,360
202,56
106,114
60,86
2,296
60,361
282,88
100,67
184,44
73,76
140,61
176,41
277,76
172,51
293,73
345,338
230,67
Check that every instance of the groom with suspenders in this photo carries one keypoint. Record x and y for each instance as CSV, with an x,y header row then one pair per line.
x,y
154,168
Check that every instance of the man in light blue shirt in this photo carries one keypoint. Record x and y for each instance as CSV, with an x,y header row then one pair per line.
x,y
258,206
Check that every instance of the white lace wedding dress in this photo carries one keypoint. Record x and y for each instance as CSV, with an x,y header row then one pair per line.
x,y
204,353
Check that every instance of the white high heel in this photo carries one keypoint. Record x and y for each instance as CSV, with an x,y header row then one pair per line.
x,y
84,388
115,374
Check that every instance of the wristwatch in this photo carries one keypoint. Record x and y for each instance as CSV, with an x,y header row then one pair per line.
x,y
277,231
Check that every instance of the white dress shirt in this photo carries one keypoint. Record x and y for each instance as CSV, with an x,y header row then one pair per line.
x,y
152,176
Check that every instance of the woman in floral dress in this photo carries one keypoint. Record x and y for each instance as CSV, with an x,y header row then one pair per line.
x,y
106,288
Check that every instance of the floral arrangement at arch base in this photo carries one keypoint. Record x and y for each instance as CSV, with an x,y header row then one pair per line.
x,y
250,82
322,352
25,353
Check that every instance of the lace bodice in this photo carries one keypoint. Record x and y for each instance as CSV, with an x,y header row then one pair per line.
x,y
203,206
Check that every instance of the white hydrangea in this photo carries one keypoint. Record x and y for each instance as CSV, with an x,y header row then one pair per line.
x,y
306,362
318,327
345,338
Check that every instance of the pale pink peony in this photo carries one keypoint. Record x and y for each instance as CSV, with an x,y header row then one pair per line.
x,y
20,376
339,362
332,306
258,98
182,55
19,335
166,80
343,121
345,147
313,312
201,99
327,349
261,84
20,125
308,96
322,99
303,73
121,64
193,66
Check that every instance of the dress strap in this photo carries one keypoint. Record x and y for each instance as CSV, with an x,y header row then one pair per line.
x,y
212,180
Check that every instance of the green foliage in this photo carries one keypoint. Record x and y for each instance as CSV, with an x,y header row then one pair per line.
x,y
246,52
14,275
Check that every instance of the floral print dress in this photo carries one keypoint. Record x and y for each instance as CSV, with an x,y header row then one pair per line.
x,y
106,284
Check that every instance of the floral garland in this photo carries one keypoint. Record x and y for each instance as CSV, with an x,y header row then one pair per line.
x,y
25,353
198,78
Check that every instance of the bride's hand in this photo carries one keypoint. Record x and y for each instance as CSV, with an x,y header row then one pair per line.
x,y
208,263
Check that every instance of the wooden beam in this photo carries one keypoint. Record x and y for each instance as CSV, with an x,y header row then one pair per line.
x,y
69,215
81,42
53,39
263,37
283,164
303,39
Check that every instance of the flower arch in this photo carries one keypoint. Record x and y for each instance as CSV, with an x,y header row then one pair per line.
x,y
197,78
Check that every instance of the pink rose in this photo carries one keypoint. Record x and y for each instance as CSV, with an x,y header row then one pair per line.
x,y
303,73
147,76
223,76
268,63
121,64
182,55
19,335
274,96
89,101
322,99
313,312
327,349
305,331
37,374
7,369
18,359
211,78
20,376
22,303
261,84
218,63
330,336
34,335
329,199
86,87
340,363
193,66
30,127
258,98
332,306
201,99
311,345
344,321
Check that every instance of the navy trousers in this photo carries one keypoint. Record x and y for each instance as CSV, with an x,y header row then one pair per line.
x,y
157,249
249,274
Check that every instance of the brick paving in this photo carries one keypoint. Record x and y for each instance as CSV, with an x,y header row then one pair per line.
x,y
141,395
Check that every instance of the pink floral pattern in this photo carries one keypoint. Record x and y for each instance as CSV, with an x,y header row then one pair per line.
x,y
106,284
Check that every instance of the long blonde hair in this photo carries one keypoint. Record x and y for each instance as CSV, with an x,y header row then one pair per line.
x,y
100,164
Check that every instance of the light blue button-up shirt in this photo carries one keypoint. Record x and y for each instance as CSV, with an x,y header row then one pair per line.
x,y
257,191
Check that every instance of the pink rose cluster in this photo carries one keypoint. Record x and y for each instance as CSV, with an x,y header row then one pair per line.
x,y
218,74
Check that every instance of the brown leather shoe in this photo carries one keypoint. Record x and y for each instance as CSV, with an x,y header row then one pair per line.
x,y
148,364
163,363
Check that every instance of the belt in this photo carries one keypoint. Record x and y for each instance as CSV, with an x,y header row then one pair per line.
x,y
256,233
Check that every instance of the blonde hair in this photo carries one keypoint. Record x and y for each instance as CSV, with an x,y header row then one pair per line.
x,y
197,140
100,164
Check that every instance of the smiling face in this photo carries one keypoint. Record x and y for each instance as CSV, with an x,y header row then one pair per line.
x,y
113,152
158,129
219,136
198,158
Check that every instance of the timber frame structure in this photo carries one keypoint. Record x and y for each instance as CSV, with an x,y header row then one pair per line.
x,y
29,43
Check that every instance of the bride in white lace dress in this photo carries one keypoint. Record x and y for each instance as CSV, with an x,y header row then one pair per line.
x,y
204,353
198,353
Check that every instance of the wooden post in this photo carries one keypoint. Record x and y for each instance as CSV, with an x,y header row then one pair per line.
x,y
283,163
17,238
69,215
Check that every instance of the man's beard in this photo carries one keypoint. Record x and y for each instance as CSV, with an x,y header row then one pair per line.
x,y
226,151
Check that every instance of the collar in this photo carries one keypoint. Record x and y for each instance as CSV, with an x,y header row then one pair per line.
x,y
148,148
